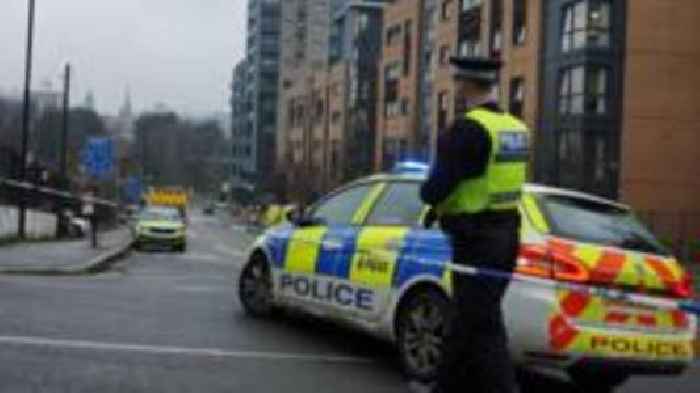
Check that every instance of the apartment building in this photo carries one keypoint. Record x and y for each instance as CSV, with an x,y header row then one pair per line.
x,y
399,76
607,86
255,150
356,48
620,120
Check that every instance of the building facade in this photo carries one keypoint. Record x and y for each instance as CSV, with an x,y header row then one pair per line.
x,y
607,86
305,35
400,73
242,141
356,49
262,65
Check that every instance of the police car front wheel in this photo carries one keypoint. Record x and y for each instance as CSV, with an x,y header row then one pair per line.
x,y
420,330
255,287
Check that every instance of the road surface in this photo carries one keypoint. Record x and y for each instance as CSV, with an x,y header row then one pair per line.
x,y
164,322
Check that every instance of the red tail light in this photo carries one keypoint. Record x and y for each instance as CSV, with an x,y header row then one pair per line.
x,y
684,287
539,261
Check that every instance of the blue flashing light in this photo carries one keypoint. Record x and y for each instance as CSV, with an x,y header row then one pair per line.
x,y
407,167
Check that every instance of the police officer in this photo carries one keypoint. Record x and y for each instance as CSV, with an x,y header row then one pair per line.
x,y
474,188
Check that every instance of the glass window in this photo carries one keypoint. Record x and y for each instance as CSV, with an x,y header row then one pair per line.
x,y
445,11
469,48
443,108
444,55
392,34
339,209
570,158
583,90
469,4
517,96
596,222
362,23
400,205
407,46
586,24
519,22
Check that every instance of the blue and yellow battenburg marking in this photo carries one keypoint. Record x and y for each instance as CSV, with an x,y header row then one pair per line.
x,y
373,257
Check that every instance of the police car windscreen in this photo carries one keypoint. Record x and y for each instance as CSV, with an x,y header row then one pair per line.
x,y
597,222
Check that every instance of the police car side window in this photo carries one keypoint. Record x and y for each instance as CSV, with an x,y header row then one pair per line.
x,y
340,208
400,205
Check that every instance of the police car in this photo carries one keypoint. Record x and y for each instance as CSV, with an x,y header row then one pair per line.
x,y
362,256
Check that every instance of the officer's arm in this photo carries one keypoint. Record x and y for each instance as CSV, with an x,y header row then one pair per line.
x,y
475,148
463,153
443,178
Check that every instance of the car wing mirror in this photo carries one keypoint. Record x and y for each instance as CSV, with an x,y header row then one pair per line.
x,y
429,218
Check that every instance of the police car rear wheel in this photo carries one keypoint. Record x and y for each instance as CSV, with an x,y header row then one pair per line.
x,y
420,332
255,287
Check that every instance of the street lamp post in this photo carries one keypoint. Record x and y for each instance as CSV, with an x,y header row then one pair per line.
x,y
62,227
66,115
21,230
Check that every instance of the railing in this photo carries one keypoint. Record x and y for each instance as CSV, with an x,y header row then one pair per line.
x,y
43,205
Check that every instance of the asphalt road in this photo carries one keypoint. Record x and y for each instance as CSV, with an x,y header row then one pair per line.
x,y
164,322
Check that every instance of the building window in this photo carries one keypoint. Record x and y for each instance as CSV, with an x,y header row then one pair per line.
x,y
444,55
404,106
496,39
570,158
586,24
469,4
596,91
517,96
469,48
362,23
392,34
583,90
335,117
443,108
407,46
445,10
392,109
519,22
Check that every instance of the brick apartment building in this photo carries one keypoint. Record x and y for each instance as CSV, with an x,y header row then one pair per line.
x,y
609,88
399,73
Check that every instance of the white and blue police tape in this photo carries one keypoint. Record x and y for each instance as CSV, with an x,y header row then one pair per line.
x,y
55,192
688,306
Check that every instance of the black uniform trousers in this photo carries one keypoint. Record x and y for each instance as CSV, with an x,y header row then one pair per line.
x,y
475,350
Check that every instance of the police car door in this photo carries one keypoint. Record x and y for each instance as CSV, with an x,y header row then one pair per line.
x,y
382,241
318,257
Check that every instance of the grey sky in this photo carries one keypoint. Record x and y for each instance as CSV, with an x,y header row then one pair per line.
x,y
179,52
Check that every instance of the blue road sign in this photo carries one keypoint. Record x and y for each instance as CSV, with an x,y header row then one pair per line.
x,y
132,189
98,157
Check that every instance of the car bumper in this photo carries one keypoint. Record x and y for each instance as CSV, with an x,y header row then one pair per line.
x,y
161,239
552,329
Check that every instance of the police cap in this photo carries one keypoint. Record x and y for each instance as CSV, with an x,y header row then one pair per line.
x,y
475,68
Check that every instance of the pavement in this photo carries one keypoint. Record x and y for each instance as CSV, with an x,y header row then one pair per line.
x,y
171,322
65,256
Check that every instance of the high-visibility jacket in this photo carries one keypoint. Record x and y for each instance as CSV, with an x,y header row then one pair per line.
x,y
499,187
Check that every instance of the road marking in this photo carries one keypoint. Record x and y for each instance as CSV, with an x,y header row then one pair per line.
x,y
200,257
222,248
169,350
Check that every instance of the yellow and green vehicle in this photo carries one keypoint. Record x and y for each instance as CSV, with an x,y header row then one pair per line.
x,y
160,226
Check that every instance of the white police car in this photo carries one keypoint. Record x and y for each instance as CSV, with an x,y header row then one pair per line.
x,y
361,256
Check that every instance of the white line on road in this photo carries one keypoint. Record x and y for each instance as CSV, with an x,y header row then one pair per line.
x,y
168,350
222,248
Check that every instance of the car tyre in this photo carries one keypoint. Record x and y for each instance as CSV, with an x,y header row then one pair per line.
x,y
255,287
420,329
